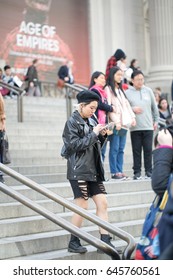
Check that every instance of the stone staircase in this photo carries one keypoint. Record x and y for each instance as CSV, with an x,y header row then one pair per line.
x,y
35,148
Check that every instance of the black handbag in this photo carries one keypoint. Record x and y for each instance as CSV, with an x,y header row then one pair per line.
x,y
6,158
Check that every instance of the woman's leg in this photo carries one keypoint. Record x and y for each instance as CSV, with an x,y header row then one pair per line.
x,y
113,152
120,156
101,209
77,219
81,199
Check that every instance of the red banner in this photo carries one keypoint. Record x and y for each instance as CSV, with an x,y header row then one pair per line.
x,y
50,30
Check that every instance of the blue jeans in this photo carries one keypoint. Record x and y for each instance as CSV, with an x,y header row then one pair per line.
x,y
116,153
103,151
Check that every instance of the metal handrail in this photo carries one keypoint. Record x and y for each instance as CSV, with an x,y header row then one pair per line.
x,y
73,86
69,88
20,93
84,213
17,90
59,221
80,86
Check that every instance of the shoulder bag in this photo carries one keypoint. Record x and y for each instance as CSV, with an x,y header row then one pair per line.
x,y
148,247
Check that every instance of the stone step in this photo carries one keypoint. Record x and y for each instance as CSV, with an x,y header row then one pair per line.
x,y
60,167
39,116
15,154
46,150
35,224
36,246
39,152
35,107
37,101
28,140
58,176
35,132
35,147
64,189
16,209
36,124
39,178
40,169
35,161
28,145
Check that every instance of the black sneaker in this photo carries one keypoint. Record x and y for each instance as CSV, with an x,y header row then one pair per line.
x,y
117,176
148,175
137,176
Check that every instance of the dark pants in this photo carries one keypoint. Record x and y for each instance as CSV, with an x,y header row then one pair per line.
x,y
142,140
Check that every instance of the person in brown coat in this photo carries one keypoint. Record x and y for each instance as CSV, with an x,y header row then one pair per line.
x,y
2,129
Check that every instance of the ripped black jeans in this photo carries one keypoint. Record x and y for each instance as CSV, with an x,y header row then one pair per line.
x,y
86,189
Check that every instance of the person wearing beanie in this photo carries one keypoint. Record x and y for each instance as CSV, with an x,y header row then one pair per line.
x,y
120,56
83,139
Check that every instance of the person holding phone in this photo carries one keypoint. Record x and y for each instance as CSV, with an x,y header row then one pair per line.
x,y
83,139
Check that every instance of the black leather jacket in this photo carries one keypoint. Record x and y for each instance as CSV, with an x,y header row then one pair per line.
x,y
163,166
82,149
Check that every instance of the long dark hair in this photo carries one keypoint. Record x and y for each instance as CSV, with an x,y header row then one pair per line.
x,y
94,76
111,82
160,100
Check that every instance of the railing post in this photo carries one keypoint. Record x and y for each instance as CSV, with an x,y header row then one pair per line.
x,y
20,108
68,102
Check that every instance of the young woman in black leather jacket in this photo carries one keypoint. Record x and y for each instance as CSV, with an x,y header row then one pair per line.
x,y
83,138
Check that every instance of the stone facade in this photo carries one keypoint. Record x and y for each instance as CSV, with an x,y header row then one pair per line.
x,y
142,28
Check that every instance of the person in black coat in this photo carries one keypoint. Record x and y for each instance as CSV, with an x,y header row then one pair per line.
x,y
65,72
83,138
162,180
162,161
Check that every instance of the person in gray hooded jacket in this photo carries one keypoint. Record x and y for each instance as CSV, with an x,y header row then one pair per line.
x,y
144,106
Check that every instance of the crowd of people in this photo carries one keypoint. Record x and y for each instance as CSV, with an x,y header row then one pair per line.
x,y
120,97
29,83
131,108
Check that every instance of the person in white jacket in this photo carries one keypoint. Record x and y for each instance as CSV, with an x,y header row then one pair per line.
x,y
123,117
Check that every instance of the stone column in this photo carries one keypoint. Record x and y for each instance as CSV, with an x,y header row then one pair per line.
x,y
161,44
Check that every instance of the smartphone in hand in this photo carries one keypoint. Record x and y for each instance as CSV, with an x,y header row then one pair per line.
x,y
108,126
